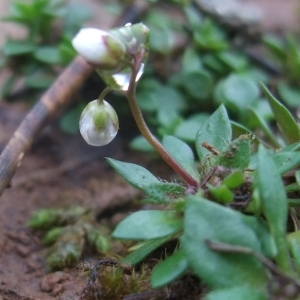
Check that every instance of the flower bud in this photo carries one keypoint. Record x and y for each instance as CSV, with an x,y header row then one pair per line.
x,y
99,123
134,37
99,47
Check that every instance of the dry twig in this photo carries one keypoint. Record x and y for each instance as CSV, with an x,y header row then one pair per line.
x,y
55,98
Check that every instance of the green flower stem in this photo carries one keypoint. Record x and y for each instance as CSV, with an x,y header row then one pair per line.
x,y
103,94
139,119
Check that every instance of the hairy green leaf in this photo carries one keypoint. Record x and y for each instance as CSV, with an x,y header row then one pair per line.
x,y
205,220
169,269
216,134
237,153
144,250
148,224
134,174
164,192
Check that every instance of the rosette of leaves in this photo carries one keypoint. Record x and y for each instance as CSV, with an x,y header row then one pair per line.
x,y
238,255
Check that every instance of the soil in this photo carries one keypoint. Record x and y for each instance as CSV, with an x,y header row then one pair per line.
x,y
62,170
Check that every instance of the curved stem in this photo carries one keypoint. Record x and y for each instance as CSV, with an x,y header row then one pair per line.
x,y
137,114
103,94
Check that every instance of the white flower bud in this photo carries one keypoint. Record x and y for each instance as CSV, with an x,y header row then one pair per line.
x,y
99,47
99,123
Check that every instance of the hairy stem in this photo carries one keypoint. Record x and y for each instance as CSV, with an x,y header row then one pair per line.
x,y
139,119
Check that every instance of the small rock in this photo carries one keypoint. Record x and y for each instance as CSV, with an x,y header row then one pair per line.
x,y
57,289
50,282
23,251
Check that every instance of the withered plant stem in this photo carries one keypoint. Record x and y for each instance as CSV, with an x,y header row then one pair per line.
x,y
55,98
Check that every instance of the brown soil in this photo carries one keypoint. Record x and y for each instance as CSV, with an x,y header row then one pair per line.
x,y
61,170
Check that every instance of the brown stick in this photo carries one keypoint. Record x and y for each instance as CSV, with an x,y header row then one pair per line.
x,y
55,98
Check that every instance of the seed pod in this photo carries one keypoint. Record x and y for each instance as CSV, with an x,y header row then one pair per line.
x,y
99,123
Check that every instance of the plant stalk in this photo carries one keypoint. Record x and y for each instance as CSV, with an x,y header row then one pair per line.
x,y
103,94
139,119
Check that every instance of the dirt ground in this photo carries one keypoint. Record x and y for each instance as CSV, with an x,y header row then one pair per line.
x,y
63,170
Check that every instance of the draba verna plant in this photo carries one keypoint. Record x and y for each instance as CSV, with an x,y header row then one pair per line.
x,y
234,216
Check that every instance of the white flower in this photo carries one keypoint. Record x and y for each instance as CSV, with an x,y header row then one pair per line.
x,y
99,123
99,47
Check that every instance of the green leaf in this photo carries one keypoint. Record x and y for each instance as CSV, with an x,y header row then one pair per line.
x,y
134,174
291,147
234,180
70,121
48,55
191,60
187,130
211,61
144,250
274,203
77,15
210,37
239,129
276,46
286,161
215,132
164,192
237,153
182,153
150,224
267,242
198,84
283,117
8,85
173,99
168,118
14,48
239,92
193,17
161,39
294,246
234,60
290,95
265,127
207,220
221,194
40,79
139,143
169,269
66,51
243,292
146,94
